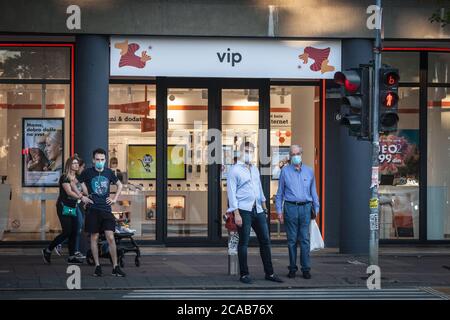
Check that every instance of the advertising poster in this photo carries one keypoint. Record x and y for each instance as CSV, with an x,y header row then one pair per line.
x,y
141,163
399,154
43,151
280,158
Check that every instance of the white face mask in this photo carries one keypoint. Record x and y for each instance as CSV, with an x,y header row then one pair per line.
x,y
248,157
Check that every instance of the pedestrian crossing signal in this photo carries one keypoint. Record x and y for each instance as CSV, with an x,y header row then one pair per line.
x,y
389,79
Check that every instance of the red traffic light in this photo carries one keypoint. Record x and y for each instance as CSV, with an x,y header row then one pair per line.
x,y
349,79
390,99
391,78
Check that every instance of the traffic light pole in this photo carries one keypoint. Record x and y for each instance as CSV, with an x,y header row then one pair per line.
x,y
374,203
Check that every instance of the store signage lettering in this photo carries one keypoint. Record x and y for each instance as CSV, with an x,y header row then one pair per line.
x,y
232,57
278,119
131,119
224,58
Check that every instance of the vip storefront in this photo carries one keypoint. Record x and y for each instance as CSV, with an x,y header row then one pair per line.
x,y
157,99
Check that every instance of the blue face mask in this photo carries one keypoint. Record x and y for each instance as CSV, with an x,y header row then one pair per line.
x,y
296,159
99,165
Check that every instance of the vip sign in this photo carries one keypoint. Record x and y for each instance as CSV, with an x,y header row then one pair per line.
x,y
237,58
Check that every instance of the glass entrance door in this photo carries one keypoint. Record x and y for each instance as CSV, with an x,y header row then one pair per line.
x,y
240,124
187,175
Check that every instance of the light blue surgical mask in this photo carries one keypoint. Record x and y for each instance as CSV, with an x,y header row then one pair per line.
x,y
99,165
248,157
297,159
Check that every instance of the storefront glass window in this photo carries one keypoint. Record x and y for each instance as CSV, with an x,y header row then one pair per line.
x,y
407,62
438,160
34,63
132,147
294,119
399,172
32,159
439,67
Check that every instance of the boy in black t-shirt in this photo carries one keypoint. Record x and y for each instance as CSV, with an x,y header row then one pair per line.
x,y
96,181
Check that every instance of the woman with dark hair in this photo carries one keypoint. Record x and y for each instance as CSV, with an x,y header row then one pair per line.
x,y
80,242
66,209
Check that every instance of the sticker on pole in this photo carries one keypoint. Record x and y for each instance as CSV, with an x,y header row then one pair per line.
x,y
373,203
373,221
374,182
233,242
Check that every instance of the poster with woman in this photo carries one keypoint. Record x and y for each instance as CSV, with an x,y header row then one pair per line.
x,y
43,151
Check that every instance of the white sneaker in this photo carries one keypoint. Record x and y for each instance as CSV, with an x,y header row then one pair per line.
x,y
79,255
128,230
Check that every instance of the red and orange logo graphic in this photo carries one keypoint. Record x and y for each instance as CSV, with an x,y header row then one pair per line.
x,y
129,57
320,57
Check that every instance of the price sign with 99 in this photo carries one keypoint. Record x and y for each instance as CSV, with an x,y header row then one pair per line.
x,y
388,152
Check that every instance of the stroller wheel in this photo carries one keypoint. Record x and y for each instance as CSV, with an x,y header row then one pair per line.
x,y
137,262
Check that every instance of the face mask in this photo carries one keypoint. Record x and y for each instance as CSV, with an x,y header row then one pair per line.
x,y
99,165
248,157
297,159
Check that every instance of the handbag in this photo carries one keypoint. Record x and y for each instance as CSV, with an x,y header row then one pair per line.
x,y
316,241
69,211
230,224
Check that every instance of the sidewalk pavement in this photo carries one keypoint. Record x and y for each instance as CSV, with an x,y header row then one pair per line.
x,y
206,268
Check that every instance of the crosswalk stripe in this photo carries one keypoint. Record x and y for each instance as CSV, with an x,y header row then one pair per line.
x,y
291,294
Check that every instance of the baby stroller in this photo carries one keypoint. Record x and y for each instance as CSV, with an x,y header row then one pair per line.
x,y
122,233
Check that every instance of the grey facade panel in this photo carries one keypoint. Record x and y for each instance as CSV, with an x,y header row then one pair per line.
x,y
307,18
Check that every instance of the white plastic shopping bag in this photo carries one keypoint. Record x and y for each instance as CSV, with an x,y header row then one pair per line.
x,y
315,238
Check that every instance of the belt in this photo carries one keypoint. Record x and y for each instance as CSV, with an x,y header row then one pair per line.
x,y
297,203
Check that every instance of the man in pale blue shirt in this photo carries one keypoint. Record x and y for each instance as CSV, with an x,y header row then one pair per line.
x,y
246,200
297,189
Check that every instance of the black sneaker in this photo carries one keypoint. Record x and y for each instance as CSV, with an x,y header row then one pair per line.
x,y
306,275
98,271
291,274
246,279
273,278
118,272
46,255
74,260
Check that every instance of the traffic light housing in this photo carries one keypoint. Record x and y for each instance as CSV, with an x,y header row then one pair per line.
x,y
355,102
388,120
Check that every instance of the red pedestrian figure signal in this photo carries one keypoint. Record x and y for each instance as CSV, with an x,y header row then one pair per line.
x,y
390,100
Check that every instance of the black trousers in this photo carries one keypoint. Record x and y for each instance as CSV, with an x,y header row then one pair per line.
x,y
69,226
257,221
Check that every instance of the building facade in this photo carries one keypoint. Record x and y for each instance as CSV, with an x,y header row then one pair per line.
x,y
151,81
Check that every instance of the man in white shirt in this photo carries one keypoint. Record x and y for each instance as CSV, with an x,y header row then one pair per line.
x,y
246,200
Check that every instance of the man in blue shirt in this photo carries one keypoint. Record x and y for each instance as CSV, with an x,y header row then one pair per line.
x,y
246,200
297,188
